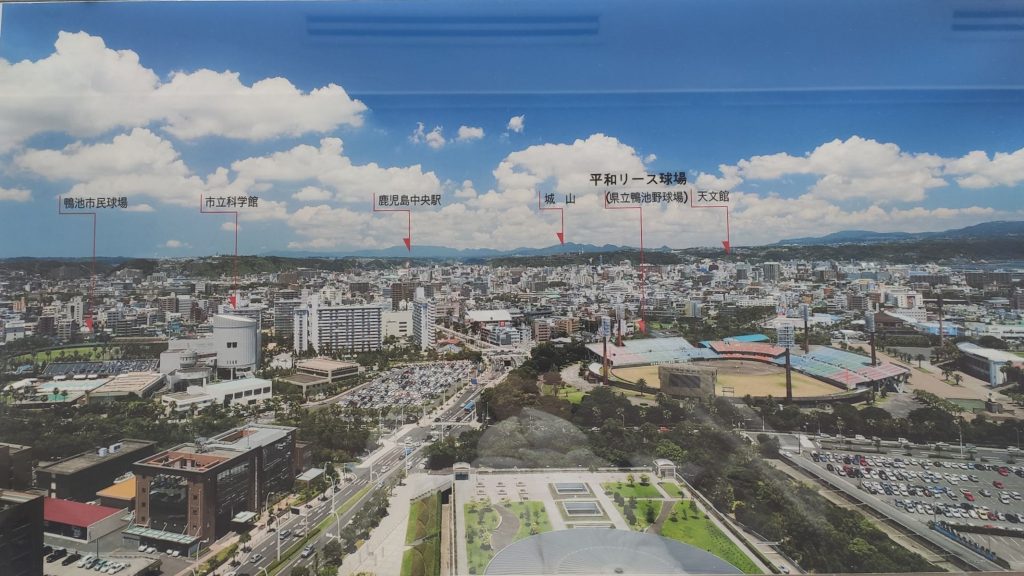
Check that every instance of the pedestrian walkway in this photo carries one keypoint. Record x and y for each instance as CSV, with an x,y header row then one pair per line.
x,y
382,553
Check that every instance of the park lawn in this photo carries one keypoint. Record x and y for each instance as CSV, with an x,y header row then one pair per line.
x,y
424,519
640,512
538,518
637,490
568,392
479,550
672,489
696,529
101,353
423,559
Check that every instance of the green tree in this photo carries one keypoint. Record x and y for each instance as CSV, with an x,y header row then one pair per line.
x,y
333,553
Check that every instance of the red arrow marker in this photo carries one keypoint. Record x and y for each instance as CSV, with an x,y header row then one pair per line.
x,y
87,315
233,298
408,239
561,211
727,243
641,323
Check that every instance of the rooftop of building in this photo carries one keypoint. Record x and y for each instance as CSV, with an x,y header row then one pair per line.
x,y
233,321
123,490
189,457
208,453
250,435
990,354
15,497
130,383
14,448
489,316
324,364
75,513
85,460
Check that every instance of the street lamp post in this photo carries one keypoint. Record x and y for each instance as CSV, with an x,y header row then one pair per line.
x,y
332,486
266,503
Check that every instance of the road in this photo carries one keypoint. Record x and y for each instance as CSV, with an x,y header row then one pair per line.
x,y
384,467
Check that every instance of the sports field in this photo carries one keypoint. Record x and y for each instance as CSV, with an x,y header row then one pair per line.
x,y
744,377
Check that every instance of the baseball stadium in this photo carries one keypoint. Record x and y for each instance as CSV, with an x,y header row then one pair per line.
x,y
742,365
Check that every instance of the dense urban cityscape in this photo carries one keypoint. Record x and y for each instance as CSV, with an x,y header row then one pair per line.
x,y
511,288
289,420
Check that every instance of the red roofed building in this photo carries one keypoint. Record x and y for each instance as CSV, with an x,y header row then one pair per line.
x,y
84,522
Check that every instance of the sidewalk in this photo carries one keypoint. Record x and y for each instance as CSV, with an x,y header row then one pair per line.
x,y
386,445
382,552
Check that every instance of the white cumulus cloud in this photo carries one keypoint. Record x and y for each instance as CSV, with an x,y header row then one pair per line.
x,y
137,164
435,138
85,89
977,170
517,123
176,244
15,194
854,168
467,133
312,194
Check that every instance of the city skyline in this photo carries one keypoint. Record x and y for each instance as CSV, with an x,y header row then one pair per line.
x,y
111,106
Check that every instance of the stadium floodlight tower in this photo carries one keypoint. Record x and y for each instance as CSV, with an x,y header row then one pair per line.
x,y
805,312
869,325
786,338
620,322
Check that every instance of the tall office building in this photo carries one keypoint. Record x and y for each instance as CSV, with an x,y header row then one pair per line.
x,y
284,316
195,491
21,533
327,328
15,466
771,271
402,291
423,334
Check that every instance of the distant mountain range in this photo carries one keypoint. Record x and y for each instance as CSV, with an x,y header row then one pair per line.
x,y
443,252
1006,229
985,230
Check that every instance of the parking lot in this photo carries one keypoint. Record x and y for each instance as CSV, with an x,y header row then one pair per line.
x,y
79,564
927,488
414,385
971,492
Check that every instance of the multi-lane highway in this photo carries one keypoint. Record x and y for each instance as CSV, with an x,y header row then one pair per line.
x,y
386,463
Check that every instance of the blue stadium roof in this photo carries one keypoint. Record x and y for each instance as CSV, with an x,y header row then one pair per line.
x,y
747,338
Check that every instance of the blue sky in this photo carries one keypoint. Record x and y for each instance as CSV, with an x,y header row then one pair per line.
x,y
817,117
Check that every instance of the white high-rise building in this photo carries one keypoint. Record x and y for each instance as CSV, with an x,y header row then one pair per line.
x,y
423,312
76,311
328,328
